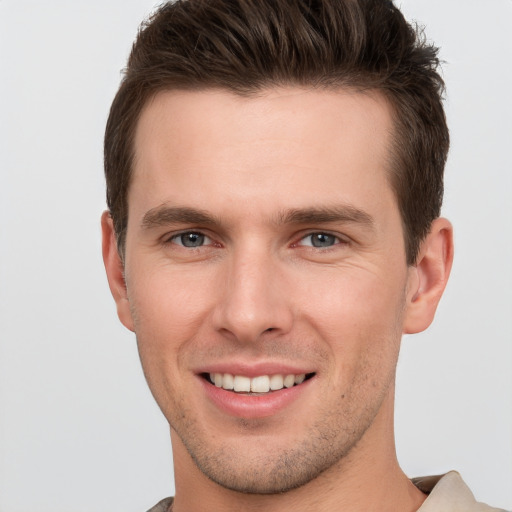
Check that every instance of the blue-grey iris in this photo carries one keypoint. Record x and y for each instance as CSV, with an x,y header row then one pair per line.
x,y
192,239
322,240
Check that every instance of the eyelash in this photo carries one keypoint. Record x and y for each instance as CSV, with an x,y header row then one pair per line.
x,y
178,236
337,240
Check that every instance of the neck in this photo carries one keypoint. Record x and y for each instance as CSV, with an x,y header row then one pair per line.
x,y
367,479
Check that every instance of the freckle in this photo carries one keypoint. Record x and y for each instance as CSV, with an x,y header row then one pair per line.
x,y
342,396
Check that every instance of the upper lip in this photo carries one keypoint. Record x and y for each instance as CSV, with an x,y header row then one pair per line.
x,y
255,369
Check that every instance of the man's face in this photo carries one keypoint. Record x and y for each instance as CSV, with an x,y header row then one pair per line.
x,y
264,240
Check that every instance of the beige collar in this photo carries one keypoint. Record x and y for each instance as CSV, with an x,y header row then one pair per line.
x,y
449,493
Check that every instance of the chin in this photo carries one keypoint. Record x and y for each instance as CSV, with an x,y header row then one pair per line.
x,y
267,467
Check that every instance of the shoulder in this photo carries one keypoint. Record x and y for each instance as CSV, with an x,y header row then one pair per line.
x,y
162,506
449,493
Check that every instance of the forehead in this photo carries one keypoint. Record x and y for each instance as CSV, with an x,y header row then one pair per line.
x,y
281,145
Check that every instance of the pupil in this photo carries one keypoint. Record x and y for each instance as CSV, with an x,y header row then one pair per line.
x,y
192,239
322,240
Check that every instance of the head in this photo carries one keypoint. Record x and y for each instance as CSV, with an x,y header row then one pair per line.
x,y
274,175
246,47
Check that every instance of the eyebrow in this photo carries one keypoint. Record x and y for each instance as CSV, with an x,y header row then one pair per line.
x,y
164,215
340,213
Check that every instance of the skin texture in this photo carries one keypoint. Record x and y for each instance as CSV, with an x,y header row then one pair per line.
x,y
259,178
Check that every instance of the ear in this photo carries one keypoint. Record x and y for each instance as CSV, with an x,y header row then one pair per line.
x,y
115,271
428,278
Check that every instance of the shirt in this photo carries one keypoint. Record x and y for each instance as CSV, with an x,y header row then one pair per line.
x,y
449,493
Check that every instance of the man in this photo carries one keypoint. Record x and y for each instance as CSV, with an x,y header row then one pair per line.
x,y
274,181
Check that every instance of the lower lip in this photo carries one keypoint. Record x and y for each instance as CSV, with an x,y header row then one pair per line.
x,y
253,406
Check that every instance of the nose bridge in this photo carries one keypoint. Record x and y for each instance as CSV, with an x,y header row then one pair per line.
x,y
253,301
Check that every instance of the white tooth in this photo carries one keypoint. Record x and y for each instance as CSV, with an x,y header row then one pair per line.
x,y
212,377
227,381
276,382
218,380
260,384
289,381
299,379
242,383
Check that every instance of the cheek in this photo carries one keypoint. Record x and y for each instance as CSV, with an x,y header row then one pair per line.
x,y
354,298
358,315
168,311
167,300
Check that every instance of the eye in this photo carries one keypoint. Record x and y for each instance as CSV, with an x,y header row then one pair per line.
x,y
190,239
319,240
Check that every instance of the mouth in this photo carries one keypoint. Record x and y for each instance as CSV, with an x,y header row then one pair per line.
x,y
255,386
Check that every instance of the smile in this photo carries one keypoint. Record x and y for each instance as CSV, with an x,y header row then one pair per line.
x,y
260,384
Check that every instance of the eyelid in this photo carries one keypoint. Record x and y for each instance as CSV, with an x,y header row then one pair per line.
x,y
340,239
171,238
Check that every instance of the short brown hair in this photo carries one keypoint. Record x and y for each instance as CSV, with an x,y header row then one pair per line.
x,y
245,46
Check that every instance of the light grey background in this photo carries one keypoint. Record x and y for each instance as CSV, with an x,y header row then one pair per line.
x,y
78,428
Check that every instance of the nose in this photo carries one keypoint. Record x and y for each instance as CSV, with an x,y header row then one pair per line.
x,y
255,298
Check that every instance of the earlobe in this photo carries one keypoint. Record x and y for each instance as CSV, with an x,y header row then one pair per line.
x,y
428,278
115,271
